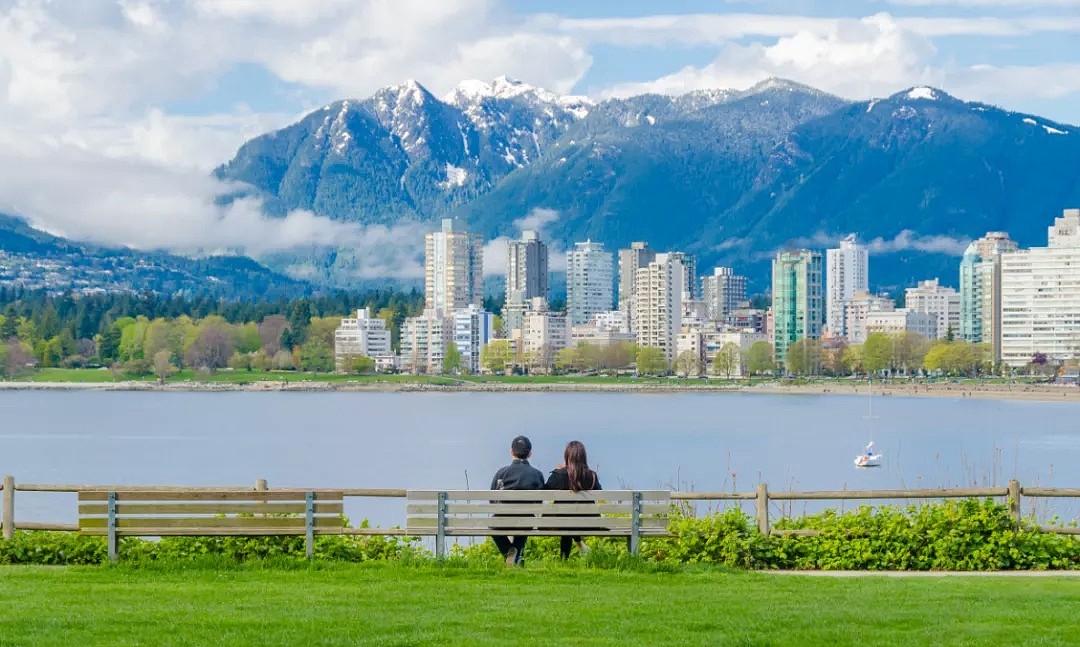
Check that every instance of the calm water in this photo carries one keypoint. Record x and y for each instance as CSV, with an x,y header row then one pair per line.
x,y
689,441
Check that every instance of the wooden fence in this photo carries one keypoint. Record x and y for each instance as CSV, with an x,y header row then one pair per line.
x,y
1013,493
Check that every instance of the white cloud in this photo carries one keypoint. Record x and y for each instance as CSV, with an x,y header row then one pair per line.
x,y
495,250
118,202
1026,4
721,29
854,58
908,240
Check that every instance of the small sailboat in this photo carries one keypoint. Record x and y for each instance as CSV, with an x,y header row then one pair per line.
x,y
868,458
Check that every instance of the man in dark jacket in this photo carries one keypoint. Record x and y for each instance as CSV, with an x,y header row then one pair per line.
x,y
518,475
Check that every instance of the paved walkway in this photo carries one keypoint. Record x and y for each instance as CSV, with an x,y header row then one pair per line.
x,y
1074,573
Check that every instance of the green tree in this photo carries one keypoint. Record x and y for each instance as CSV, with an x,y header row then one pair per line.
x,y
727,360
132,337
851,360
651,361
496,356
909,349
317,357
163,364
240,361
567,359
688,364
451,361
877,352
248,339
361,365
759,359
804,357
322,329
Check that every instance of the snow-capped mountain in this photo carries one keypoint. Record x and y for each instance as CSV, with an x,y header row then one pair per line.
x,y
729,175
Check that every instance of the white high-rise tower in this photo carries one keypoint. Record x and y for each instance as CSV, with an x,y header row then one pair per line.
x,y
588,282
846,272
453,270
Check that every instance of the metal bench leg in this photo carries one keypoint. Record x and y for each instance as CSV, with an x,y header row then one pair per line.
x,y
635,524
309,524
113,552
440,536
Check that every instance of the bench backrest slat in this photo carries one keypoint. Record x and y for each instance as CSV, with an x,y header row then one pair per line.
x,y
626,513
160,513
531,495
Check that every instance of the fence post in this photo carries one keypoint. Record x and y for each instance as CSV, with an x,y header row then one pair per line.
x,y
9,507
114,548
309,524
1014,501
763,508
440,533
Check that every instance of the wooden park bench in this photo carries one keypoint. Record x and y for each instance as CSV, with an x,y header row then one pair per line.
x,y
164,513
471,513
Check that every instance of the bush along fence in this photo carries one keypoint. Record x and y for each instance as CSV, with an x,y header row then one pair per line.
x,y
963,529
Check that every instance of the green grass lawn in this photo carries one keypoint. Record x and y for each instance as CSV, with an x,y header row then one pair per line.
x,y
395,604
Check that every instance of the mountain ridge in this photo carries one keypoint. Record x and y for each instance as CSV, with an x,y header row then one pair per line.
x,y
731,175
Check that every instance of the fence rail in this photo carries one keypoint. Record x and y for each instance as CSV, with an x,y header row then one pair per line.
x,y
761,496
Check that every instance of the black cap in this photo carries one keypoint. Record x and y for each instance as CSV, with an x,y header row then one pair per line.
x,y
521,447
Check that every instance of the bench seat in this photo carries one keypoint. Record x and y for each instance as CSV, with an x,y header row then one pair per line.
x,y
167,513
478,513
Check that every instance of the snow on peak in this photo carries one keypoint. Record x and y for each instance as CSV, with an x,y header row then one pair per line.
x,y
1050,130
504,87
455,177
922,92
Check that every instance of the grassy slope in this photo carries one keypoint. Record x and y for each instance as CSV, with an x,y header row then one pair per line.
x,y
384,604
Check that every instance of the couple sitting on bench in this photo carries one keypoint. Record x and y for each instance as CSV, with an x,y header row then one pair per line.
x,y
573,475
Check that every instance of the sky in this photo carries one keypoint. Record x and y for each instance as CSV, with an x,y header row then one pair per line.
x,y
112,112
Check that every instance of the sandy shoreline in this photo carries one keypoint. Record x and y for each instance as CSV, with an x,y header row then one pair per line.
x,y
1027,392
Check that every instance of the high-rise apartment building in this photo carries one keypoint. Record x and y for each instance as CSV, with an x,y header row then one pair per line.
x,y
938,300
660,291
980,289
453,269
723,292
588,281
690,280
361,335
637,256
526,277
797,302
847,272
474,327
1040,297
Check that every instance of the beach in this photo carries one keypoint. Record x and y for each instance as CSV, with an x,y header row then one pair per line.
x,y
987,391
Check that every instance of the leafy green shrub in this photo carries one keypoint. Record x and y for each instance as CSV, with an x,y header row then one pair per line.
x,y
966,535
52,548
728,538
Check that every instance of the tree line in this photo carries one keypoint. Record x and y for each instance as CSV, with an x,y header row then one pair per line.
x,y
142,333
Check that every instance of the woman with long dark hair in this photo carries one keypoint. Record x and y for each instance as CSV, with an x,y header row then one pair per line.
x,y
574,475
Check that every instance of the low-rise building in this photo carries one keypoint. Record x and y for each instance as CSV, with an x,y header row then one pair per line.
x,y
544,333
360,335
940,301
894,322
858,308
474,327
423,342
